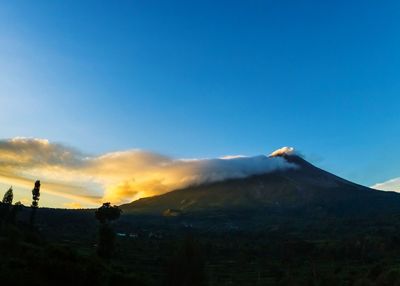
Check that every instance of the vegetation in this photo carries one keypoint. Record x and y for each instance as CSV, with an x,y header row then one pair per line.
x,y
297,247
28,257
8,212
105,215
35,201
8,197
187,266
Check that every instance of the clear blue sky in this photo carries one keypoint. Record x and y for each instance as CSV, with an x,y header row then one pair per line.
x,y
208,78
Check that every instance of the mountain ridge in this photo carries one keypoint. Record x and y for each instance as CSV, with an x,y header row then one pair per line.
x,y
304,187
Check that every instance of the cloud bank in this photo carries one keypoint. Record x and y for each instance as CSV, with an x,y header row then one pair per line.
x,y
118,177
392,185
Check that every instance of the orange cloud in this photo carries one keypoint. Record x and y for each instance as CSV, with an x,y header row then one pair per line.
x,y
73,205
118,177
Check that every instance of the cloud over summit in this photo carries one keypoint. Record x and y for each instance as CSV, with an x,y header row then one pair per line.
x,y
118,176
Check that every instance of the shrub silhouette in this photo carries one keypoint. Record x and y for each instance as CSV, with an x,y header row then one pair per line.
x,y
105,214
8,197
5,206
35,201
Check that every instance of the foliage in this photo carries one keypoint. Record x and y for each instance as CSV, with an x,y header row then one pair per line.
x,y
7,211
36,195
24,263
238,248
35,201
107,213
8,197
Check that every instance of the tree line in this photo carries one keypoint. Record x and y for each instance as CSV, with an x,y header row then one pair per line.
x,y
184,268
106,214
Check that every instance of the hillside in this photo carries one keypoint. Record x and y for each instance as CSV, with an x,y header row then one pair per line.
x,y
305,187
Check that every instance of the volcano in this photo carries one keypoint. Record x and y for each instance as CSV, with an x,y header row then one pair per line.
x,y
305,187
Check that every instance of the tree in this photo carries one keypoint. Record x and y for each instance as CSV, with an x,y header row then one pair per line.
x,y
8,197
5,205
35,201
105,215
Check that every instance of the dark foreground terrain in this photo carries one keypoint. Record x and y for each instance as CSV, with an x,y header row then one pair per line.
x,y
238,248
302,226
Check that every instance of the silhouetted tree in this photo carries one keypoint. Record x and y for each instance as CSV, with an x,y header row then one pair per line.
x,y
35,201
105,214
5,206
8,197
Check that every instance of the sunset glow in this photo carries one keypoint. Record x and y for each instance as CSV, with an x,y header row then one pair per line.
x,y
79,180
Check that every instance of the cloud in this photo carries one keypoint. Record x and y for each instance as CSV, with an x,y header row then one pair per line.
x,y
118,177
73,205
28,152
392,185
282,151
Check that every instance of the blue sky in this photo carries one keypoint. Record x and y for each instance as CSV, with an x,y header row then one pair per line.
x,y
207,78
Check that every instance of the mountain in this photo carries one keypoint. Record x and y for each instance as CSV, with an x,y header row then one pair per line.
x,y
306,188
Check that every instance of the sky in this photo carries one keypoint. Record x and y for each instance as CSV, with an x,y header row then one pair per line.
x,y
205,79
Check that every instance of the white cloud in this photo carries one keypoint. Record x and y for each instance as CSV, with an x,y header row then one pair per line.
x,y
282,151
119,176
392,185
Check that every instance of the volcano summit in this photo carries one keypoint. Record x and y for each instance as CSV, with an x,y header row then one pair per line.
x,y
303,187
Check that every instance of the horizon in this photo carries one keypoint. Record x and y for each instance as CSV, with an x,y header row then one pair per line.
x,y
73,179
200,80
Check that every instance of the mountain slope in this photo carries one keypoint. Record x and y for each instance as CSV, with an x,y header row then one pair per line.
x,y
304,187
